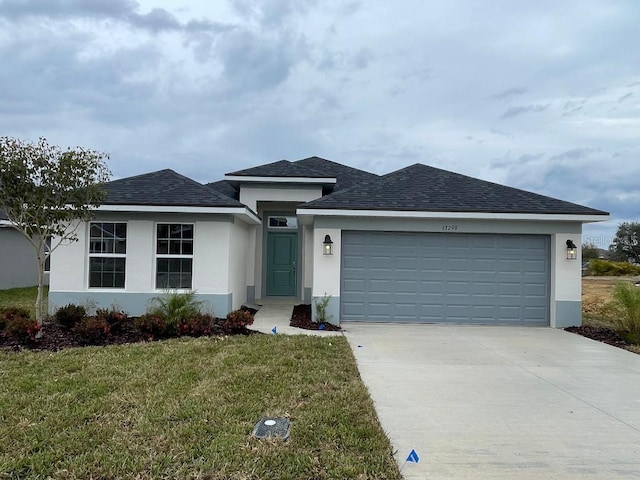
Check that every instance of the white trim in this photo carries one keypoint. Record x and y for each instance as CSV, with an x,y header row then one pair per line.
x,y
5,223
457,215
236,211
249,179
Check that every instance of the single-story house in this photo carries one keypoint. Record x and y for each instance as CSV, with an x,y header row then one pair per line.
x,y
18,263
419,244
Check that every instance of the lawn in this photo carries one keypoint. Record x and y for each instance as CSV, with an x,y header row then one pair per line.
x,y
185,409
21,297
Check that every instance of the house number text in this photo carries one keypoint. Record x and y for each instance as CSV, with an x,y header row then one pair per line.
x,y
449,228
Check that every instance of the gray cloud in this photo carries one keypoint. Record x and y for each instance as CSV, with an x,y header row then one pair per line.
x,y
515,111
510,93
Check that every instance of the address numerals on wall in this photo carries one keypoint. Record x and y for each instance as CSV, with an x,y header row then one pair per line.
x,y
449,228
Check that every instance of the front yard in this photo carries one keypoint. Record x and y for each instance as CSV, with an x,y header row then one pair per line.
x,y
185,408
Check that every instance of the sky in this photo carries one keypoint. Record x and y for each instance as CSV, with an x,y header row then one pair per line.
x,y
543,96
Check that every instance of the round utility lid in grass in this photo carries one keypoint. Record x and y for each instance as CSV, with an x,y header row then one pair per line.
x,y
269,427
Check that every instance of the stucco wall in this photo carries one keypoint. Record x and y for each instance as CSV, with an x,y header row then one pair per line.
x,y
250,195
18,264
219,245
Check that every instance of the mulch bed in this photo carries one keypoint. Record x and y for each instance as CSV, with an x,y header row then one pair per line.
x,y
601,334
55,338
301,318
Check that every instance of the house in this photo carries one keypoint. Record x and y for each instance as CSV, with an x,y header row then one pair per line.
x,y
419,244
18,264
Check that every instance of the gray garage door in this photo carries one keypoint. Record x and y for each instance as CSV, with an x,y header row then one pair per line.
x,y
456,278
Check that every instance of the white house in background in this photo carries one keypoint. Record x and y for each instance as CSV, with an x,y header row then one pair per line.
x,y
417,245
18,263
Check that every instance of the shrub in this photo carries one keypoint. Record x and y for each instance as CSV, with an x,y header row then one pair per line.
x,y
92,330
606,268
196,326
116,319
22,329
321,309
626,300
175,306
238,319
9,313
154,326
69,315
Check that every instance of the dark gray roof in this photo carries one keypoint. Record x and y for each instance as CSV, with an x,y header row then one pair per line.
x,y
423,188
166,188
346,176
226,188
281,168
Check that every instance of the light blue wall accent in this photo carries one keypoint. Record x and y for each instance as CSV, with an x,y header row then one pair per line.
x,y
251,294
134,303
568,313
307,295
333,309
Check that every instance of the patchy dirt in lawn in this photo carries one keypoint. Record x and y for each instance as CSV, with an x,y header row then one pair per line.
x,y
55,338
301,318
597,292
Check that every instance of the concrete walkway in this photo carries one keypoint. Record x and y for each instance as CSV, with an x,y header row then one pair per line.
x,y
276,313
502,402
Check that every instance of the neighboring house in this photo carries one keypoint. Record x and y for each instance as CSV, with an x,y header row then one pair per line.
x,y
416,245
18,264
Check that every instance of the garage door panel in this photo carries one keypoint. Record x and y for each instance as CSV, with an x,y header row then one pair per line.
x,y
461,278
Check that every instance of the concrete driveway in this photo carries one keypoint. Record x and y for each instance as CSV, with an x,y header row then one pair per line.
x,y
502,402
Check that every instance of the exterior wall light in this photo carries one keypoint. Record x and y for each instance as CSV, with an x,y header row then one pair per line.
x,y
572,250
327,246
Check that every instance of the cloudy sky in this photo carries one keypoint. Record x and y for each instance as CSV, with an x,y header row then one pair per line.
x,y
540,95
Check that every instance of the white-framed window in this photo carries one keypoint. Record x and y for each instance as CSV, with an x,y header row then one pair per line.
x,y
289,222
174,255
107,254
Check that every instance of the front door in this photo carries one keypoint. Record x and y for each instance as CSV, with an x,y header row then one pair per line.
x,y
282,251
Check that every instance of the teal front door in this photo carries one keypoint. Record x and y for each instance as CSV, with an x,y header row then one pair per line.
x,y
282,251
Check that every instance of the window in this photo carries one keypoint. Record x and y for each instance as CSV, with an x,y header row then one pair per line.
x,y
107,254
283,222
174,255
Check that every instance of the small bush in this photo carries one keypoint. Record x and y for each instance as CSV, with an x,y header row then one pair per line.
x,y
93,331
606,268
238,319
116,319
196,326
626,301
22,329
9,313
69,315
154,326
175,306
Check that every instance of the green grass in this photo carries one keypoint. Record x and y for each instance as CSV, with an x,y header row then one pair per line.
x,y
185,409
21,297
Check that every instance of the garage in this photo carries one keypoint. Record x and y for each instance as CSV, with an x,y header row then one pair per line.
x,y
499,279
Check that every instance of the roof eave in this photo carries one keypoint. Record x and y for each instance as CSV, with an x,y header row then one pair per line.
x,y
556,217
234,179
242,213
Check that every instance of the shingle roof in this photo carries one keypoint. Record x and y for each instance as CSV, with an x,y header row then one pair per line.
x,y
423,188
346,176
226,188
281,168
167,188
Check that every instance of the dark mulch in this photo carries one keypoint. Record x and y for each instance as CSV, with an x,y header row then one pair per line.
x,y
301,318
601,334
55,338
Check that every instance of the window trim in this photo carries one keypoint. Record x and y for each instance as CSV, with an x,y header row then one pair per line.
x,y
106,255
157,256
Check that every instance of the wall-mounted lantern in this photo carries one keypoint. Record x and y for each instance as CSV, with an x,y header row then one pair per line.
x,y
327,246
572,250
